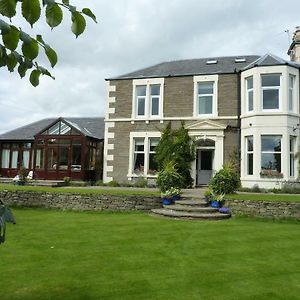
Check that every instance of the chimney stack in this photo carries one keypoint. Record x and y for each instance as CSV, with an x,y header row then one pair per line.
x,y
294,50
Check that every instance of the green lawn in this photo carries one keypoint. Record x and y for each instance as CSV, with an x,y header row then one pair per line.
x,y
68,255
79,190
265,197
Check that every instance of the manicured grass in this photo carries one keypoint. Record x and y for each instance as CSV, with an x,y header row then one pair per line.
x,y
68,255
79,190
265,197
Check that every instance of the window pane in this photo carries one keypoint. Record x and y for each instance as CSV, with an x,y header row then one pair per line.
x,y
270,80
205,105
250,164
152,164
52,158
76,158
26,155
271,161
291,81
250,83
139,145
292,165
65,129
5,158
155,89
155,107
271,143
14,159
39,161
250,100
63,158
205,88
291,96
270,99
54,130
141,90
250,143
153,143
141,106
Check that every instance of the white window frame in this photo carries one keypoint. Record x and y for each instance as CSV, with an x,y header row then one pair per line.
x,y
248,90
148,100
206,78
248,152
291,101
279,88
146,136
272,152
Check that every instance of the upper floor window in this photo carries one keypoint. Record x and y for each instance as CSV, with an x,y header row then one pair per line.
x,y
205,98
291,91
205,95
270,84
148,98
249,93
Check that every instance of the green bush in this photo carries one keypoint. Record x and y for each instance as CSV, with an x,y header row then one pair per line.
x,y
67,180
169,177
141,183
99,183
225,181
113,183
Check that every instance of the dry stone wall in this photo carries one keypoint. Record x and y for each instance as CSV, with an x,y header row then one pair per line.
x,y
68,201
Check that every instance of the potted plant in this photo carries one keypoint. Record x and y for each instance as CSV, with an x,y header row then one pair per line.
x,y
167,197
175,192
216,200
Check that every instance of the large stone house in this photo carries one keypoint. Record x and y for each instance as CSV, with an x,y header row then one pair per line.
x,y
248,104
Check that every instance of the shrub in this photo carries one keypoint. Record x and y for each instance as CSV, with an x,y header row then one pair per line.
x,y
99,183
67,180
141,183
168,177
113,183
225,181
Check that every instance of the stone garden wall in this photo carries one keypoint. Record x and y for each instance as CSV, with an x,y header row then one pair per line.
x,y
269,209
70,201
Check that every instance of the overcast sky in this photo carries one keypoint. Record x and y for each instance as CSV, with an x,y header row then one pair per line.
x,y
133,34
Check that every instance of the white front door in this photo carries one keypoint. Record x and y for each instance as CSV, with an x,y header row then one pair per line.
x,y
205,166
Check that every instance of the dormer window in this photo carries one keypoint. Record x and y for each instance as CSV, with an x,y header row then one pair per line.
x,y
147,98
270,84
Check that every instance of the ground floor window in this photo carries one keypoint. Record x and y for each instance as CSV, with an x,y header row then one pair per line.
x,y
39,159
5,158
249,153
271,153
144,162
292,155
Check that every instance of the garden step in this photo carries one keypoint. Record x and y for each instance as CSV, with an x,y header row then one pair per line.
x,y
192,208
192,202
189,215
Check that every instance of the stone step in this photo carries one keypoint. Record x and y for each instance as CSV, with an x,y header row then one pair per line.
x,y
189,215
192,202
191,208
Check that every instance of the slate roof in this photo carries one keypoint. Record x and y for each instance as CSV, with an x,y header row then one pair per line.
x,y
271,60
91,127
224,65
189,67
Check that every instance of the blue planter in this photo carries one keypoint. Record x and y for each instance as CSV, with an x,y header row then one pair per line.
x,y
176,197
215,204
167,201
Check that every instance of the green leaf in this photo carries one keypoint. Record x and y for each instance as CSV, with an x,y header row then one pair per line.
x,y
3,56
48,2
45,71
52,56
66,2
35,77
8,8
31,50
22,69
89,13
18,57
54,15
79,24
39,38
11,62
28,63
11,39
4,27
31,10
24,37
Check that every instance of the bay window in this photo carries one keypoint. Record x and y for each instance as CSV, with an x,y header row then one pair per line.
x,y
271,153
270,84
249,93
249,154
292,155
291,92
